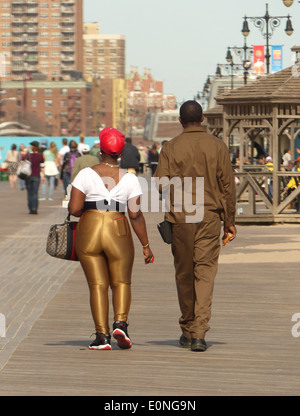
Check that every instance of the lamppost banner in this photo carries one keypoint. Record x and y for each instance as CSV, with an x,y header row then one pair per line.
x,y
258,59
276,58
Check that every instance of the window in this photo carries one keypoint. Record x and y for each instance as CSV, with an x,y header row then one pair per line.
x,y
48,91
48,103
34,103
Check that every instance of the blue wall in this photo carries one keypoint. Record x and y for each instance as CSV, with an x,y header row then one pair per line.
x,y
7,141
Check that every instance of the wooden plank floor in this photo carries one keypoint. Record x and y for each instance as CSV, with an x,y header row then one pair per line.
x,y
251,347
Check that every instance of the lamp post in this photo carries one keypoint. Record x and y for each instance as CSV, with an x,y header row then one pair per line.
x,y
204,95
267,24
233,66
245,54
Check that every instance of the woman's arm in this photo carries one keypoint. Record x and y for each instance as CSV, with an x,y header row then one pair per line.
x,y
76,202
138,223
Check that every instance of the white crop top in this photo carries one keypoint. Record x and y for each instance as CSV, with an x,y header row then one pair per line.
x,y
92,185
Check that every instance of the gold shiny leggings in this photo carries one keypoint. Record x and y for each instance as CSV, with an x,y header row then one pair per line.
x,y
105,249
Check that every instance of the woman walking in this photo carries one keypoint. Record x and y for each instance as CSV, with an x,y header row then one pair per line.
x,y
51,160
68,163
22,156
104,244
33,183
12,160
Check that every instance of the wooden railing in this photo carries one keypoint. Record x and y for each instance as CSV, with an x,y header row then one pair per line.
x,y
255,203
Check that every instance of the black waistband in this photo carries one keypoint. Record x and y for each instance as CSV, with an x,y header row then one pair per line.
x,y
104,205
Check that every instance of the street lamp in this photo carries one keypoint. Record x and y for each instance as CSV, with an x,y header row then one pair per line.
x,y
267,24
245,54
229,59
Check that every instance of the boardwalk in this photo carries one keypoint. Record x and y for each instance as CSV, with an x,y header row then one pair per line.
x,y
45,301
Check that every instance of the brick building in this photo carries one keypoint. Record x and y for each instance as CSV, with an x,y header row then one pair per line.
x,y
109,106
40,37
145,97
51,108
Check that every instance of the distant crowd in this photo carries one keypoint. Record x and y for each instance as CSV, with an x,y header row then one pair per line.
x,y
55,166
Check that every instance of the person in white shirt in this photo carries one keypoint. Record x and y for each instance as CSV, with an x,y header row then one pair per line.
x,y
65,149
81,144
100,196
286,158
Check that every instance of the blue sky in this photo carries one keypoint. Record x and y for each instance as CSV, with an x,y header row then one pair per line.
x,y
182,42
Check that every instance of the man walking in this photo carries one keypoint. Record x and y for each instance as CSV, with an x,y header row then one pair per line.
x,y
204,159
130,157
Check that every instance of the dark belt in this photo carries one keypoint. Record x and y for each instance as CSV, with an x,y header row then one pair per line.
x,y
104,205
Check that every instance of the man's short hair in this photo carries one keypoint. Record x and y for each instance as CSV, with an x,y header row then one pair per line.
x,y
191,112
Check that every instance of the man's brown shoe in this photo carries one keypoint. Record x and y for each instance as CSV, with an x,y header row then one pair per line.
x,y
198,344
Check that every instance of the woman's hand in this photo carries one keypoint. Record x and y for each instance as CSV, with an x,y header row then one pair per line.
x,y
148,255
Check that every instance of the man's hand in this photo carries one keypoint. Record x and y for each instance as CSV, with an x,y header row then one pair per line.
x,y
229,234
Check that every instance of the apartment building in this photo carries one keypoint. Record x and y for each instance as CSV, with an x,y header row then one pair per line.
x,y
103,54
41,37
